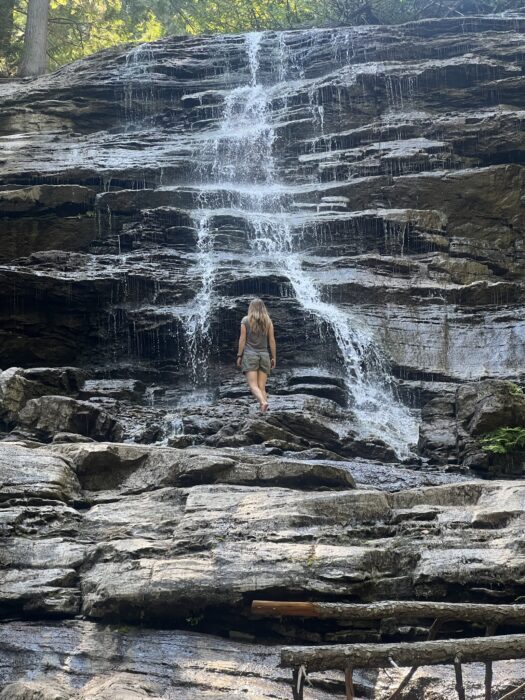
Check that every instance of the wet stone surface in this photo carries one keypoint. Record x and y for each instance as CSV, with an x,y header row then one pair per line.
x,y
368,185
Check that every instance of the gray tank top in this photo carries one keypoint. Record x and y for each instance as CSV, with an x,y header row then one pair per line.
x,y
255,342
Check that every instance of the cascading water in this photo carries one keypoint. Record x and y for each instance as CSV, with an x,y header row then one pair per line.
x,y
240,152
197,324
243,162
139,94
237,164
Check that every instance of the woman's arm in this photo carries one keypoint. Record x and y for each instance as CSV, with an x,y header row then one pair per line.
x,y
273,349
242,343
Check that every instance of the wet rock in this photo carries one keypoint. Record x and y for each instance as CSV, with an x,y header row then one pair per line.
x,y
437,681
70,437
392,477
438,431
133,468
45,197
295,422
326,391
454,424
29,473
444,171
398,157
18,386
113,388
485,406
55,414
24,235
156,578
460,271
143,668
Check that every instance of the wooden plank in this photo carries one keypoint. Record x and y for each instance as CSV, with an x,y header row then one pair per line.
x,y
338,656
298,684
349,683
488,680
469,612
489,631
460,688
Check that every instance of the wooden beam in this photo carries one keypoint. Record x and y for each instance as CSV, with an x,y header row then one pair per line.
x,y
488,680
460,688
349,683
339,656
489,631
468,612
298,684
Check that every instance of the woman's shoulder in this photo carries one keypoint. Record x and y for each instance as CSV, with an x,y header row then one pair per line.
x,y
244,319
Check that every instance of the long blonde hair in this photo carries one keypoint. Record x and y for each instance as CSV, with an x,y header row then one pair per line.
x,y
258,317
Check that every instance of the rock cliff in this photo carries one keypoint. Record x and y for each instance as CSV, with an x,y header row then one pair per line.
x,y
368,184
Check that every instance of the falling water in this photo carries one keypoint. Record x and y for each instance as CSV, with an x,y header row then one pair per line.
x,y
197,323
242,155
139,92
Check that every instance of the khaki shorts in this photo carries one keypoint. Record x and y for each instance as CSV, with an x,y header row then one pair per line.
x,y
253,361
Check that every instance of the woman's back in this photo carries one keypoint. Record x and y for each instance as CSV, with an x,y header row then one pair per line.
x,y
256,342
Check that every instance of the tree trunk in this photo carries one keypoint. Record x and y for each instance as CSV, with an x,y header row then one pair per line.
x,y
6,24
34,58
339,656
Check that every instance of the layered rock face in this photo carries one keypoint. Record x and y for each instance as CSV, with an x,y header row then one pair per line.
x,y
125,564
367,183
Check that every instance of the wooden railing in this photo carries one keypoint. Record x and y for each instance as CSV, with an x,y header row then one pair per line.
x,y
347,657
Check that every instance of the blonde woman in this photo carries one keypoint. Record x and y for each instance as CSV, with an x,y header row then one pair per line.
x,y
253,357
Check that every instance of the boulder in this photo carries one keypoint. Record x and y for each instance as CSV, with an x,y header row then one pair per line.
x,y
18,386
59,414
33,473
482,407
453,426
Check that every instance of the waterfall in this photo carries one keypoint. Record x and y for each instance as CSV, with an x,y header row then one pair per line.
x,y
243,164
197,325
139,91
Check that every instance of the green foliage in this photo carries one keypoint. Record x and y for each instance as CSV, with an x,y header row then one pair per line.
x,y
515,390
78,28
504,440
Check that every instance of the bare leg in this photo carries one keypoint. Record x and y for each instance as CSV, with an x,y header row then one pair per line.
x,y
262,378
251,378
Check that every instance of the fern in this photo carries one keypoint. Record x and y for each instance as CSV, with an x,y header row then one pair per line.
x,y
504,440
